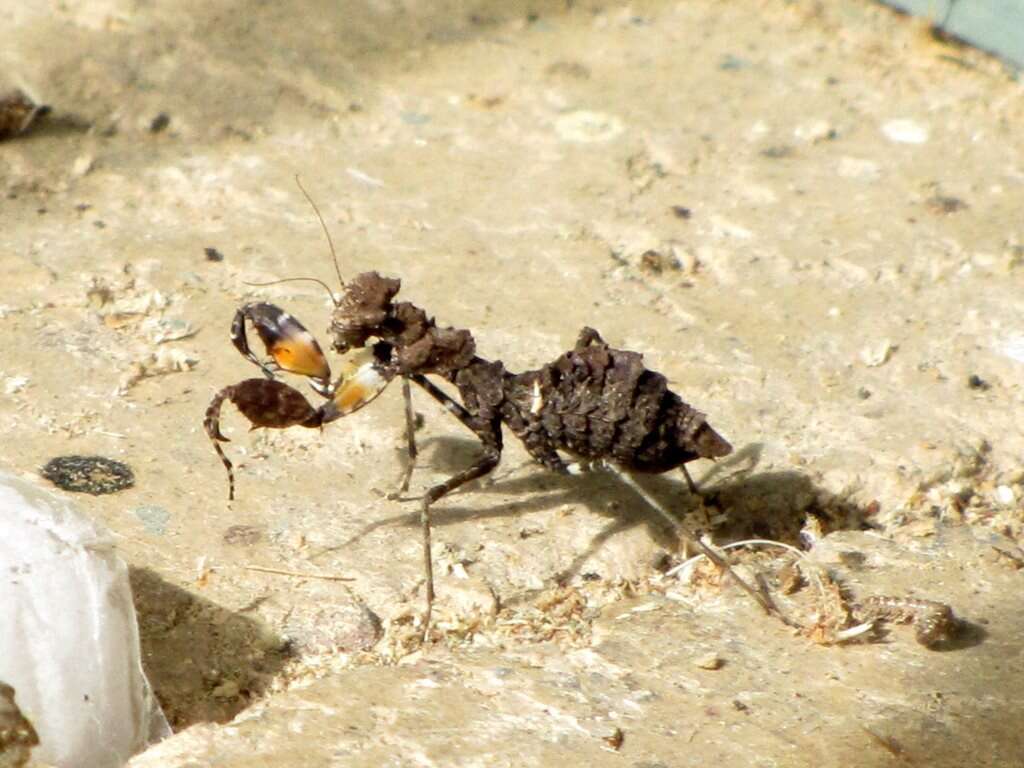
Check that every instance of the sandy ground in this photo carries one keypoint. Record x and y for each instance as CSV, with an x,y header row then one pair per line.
x,y
808,216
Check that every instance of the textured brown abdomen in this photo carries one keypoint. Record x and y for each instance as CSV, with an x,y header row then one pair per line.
x,y
602,403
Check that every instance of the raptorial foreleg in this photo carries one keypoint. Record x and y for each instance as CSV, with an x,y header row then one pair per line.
x,y
272,404
410,437
491,440
489,433
290,346
265,403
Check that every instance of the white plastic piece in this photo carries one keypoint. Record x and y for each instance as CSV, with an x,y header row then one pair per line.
x,y
69,642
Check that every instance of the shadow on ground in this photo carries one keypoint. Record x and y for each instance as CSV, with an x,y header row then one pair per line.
x,y
205,663
737,501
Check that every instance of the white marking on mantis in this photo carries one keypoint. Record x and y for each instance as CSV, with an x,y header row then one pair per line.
x,y
537,402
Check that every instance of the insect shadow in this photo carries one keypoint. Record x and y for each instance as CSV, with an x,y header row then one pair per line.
x,y
744,502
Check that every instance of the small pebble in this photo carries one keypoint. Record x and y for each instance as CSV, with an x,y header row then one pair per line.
x,y
159,123
710,661
877,354
944,204
730,62
815,131
227,690
83,165
777,151
172,360
686,259
1013,348
568,69
586,127
656,262
17,113
858,168
332,627
974,381
164,329
904,131
212,254
414,118
14,384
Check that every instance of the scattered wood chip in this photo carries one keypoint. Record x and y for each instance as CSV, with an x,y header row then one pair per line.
x,y
614,741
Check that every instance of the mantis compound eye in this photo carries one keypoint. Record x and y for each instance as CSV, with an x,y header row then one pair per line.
x,y
347,338
290,346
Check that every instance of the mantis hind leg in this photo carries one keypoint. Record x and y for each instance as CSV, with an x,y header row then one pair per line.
x,y
759,596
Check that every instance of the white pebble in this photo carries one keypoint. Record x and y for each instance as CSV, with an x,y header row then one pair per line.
x,y
905,131
1013,348
587,127
1005,495
13,384
82,165
858,168
878,354
814,131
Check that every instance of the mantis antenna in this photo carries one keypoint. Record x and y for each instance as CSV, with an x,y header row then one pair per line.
x,y
334,254
334,299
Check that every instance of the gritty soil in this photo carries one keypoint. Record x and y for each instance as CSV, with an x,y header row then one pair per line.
x,y
806,216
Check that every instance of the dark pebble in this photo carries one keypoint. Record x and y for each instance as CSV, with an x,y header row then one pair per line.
x,y
88,474
974,381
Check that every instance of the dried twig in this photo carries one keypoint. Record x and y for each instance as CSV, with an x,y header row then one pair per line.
x,y
298,574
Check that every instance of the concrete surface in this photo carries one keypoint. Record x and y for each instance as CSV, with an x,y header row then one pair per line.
x,y
806,215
